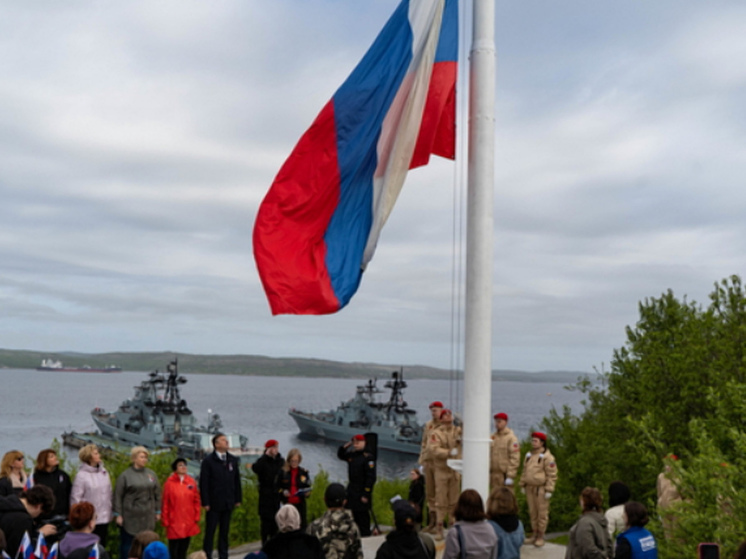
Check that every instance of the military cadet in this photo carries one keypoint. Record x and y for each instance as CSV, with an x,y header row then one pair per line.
x,y
336,529
444,444
504,454
361,473
426,463
537,482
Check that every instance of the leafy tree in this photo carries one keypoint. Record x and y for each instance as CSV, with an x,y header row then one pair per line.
x,y
678,385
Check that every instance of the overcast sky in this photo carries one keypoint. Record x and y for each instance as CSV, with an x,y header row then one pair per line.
x,y
137,140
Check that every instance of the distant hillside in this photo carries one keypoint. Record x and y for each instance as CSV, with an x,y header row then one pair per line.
x,y
256,365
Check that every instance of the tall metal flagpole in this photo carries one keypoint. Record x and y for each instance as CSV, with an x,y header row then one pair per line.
x,y
479,230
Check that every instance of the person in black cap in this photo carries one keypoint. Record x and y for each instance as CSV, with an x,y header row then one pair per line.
x,y
361,473
404,541
336,529
266,469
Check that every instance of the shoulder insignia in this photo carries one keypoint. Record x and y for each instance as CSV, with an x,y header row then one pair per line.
x,y
515,446
434,439
552,465
371,464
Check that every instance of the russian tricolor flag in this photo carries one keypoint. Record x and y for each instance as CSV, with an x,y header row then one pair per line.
x,y
26,549
318,226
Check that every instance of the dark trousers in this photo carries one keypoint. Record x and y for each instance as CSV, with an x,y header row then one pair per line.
x,y
213,520
102,531
177,549
125,542
362,519
269,527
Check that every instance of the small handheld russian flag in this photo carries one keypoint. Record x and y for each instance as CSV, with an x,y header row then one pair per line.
x,y
41,547
94,552
29,482
25,550
54,552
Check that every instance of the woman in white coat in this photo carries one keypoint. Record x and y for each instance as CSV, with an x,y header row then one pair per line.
x,y
93,485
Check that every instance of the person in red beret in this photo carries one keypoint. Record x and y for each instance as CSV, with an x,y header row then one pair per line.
x,y
266,468
537,482
504,454
445,444
427,463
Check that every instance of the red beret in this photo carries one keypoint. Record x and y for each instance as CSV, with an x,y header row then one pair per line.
x,y
501,416
445,412
539,435
436,404
672,457
359,437
270,443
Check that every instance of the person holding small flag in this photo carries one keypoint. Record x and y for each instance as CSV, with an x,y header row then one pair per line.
x,y
17,516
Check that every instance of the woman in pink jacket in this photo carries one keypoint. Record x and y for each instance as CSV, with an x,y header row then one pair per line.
x,y
180,510
93,485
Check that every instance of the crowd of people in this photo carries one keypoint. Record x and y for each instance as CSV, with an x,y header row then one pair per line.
x,y
35,503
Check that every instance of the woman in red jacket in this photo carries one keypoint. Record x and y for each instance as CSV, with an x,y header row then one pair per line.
x,y
181,509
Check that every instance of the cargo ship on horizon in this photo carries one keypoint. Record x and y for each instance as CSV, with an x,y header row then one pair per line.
x,y
51,365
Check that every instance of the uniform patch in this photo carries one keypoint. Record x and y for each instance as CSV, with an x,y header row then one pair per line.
x,y
552,465
515,447
371,464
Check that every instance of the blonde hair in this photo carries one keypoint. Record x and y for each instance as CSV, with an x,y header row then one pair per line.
x,y
293,452
86,453
137,450
6,466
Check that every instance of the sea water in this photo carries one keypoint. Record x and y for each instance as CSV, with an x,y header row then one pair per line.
x,y
37,406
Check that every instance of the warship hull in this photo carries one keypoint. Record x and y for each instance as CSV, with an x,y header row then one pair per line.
x,y
389,438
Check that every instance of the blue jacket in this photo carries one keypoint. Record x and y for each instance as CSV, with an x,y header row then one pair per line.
x,y
509,543
642,543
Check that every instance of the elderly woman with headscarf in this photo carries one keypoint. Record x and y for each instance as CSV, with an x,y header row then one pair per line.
x,y
291,542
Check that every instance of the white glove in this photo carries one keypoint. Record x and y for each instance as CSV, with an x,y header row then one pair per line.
x,y
454,452
523,490
548,495
508,481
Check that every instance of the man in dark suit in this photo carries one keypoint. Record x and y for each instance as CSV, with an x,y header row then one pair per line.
x,y
220,488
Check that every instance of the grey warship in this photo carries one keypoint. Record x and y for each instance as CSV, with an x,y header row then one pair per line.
x,y
158,418
395,424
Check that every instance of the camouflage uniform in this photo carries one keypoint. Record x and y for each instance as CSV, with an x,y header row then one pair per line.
x,y
338,534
